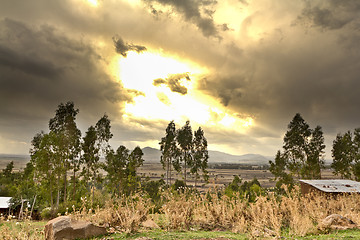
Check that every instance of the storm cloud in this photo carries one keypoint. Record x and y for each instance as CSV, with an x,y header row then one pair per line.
x,y
40,68
275,59
198,12
174,82
122,47
331,15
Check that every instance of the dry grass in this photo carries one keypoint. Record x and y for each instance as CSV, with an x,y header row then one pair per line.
x,y
268,216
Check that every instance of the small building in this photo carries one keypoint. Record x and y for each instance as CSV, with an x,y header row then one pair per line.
x,y
333,186
4,205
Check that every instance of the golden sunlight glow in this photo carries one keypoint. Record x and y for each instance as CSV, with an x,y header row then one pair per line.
x,y
93,3
138,71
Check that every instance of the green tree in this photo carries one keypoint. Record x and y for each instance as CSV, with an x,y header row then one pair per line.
x,y
296,144
185,140
200,155
104,135
95,145
315,155
47,165
121,167
303,153
169,150
356,149
90,157
115,164
135,160
278,169
343,155
63,124
8,171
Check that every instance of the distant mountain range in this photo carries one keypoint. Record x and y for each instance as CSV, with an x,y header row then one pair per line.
x,y
152,155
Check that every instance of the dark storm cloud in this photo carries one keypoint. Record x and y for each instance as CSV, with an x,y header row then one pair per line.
x,y
334,14
174,82
314,72
230,88
198,12
41,67
11,59
122,47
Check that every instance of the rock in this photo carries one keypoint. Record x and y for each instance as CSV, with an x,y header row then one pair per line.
x,y
66,228
150,224
336,221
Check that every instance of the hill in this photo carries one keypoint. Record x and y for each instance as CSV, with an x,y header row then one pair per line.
x,y
152,155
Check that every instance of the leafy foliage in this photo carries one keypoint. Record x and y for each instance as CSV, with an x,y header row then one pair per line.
x,y
303,153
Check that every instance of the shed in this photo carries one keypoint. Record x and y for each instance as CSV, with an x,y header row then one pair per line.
x,y
332,186
4,204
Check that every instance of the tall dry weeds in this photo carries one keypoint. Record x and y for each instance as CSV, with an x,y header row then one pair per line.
x,y
270,214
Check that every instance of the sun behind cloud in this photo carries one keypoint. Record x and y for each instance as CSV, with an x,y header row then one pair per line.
x,y
169,92
93,3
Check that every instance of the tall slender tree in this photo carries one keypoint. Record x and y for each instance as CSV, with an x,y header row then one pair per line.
x,y
95,145
115,165
63,124
315,155
90,157
295,144
200,155
185,140
169,150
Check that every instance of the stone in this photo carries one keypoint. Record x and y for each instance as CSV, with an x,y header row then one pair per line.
x,y
338,222
65,228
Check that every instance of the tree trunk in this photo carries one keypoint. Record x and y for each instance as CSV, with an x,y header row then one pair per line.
x,y
65,185
167,171
170,173
185,168
196,176
32,207
21,209
58,193
74,188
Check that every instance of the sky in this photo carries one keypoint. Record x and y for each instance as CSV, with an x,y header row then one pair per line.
x,y
239,69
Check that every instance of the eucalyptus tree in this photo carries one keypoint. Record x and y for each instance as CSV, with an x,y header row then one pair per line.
x,y
64,126
47,164
169,150
121,167
95,145
278,169
135,160
295,144
343,155
315,155
185,141
90,157
303,152
115,165
200,155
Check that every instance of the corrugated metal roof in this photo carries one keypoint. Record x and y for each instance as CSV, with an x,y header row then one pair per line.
x,y
334,185
4,202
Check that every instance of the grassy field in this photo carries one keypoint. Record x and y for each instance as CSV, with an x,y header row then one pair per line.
x,y
34,230
163,235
